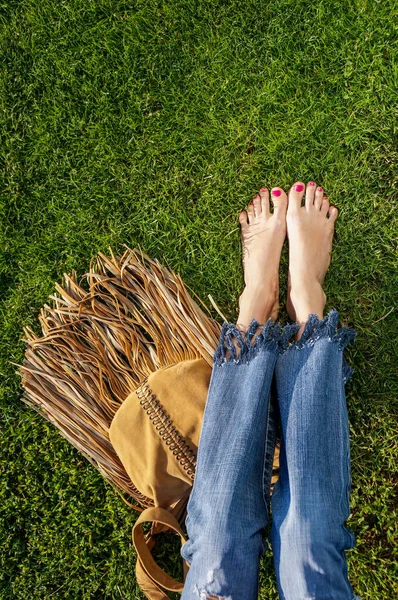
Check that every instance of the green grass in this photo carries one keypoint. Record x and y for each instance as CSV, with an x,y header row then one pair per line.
x,y
153,123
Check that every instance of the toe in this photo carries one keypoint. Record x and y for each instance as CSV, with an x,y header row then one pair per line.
x,y
250,212
325,205
257,205
264,195
318,198
333,214
243,220
296,195
279,201
310,194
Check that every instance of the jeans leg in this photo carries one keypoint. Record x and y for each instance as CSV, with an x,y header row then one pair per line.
x,y
310,502
228,509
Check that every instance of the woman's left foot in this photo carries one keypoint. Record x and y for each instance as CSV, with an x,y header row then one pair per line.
x,y
310,231
263,234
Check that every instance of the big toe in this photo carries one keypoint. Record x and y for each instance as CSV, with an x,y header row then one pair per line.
x,y
296,195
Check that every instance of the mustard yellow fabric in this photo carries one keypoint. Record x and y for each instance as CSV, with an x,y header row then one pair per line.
x,y
181,390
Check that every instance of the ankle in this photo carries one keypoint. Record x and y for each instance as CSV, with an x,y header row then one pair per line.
x,y
256,303
305,300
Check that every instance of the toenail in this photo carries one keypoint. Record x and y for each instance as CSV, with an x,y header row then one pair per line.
x,y
276,193
299,187
319,189
311,183
263,190
251,204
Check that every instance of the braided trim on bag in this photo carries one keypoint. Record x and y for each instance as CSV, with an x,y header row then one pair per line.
x,y
166,429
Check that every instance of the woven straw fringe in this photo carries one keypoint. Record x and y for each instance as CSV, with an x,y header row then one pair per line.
x,y
98,345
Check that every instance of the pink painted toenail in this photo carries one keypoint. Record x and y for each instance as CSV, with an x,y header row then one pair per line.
x,y
319,189
251,204
311,183
276,193
263,190
299,187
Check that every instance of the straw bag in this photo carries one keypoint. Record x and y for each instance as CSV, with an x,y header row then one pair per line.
x,y
122,370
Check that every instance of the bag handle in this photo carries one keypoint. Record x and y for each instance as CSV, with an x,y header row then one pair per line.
x,y
147,585
149,574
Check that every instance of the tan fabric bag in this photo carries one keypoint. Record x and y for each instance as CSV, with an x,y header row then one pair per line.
x,y
122,370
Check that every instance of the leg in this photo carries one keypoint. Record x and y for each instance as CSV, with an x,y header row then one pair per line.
x,y
311,500
228,510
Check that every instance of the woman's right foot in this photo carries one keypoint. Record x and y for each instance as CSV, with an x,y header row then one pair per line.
x,y
310,232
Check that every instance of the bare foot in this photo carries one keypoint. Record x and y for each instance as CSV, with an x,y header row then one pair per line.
x,y
263,234
310,231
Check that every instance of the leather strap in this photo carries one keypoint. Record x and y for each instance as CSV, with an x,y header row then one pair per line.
x,y
149,574
147,585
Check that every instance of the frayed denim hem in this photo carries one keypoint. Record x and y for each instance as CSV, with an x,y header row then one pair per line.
x,y
316,329
271,336
277,338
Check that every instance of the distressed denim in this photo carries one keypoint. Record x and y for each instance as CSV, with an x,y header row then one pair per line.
x,y
230,501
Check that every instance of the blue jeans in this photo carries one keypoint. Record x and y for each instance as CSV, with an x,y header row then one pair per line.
x,y
229,505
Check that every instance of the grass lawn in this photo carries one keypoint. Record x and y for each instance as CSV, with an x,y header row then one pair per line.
x,y
152,123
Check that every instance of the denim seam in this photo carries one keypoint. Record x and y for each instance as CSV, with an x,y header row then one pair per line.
x,y
265,457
